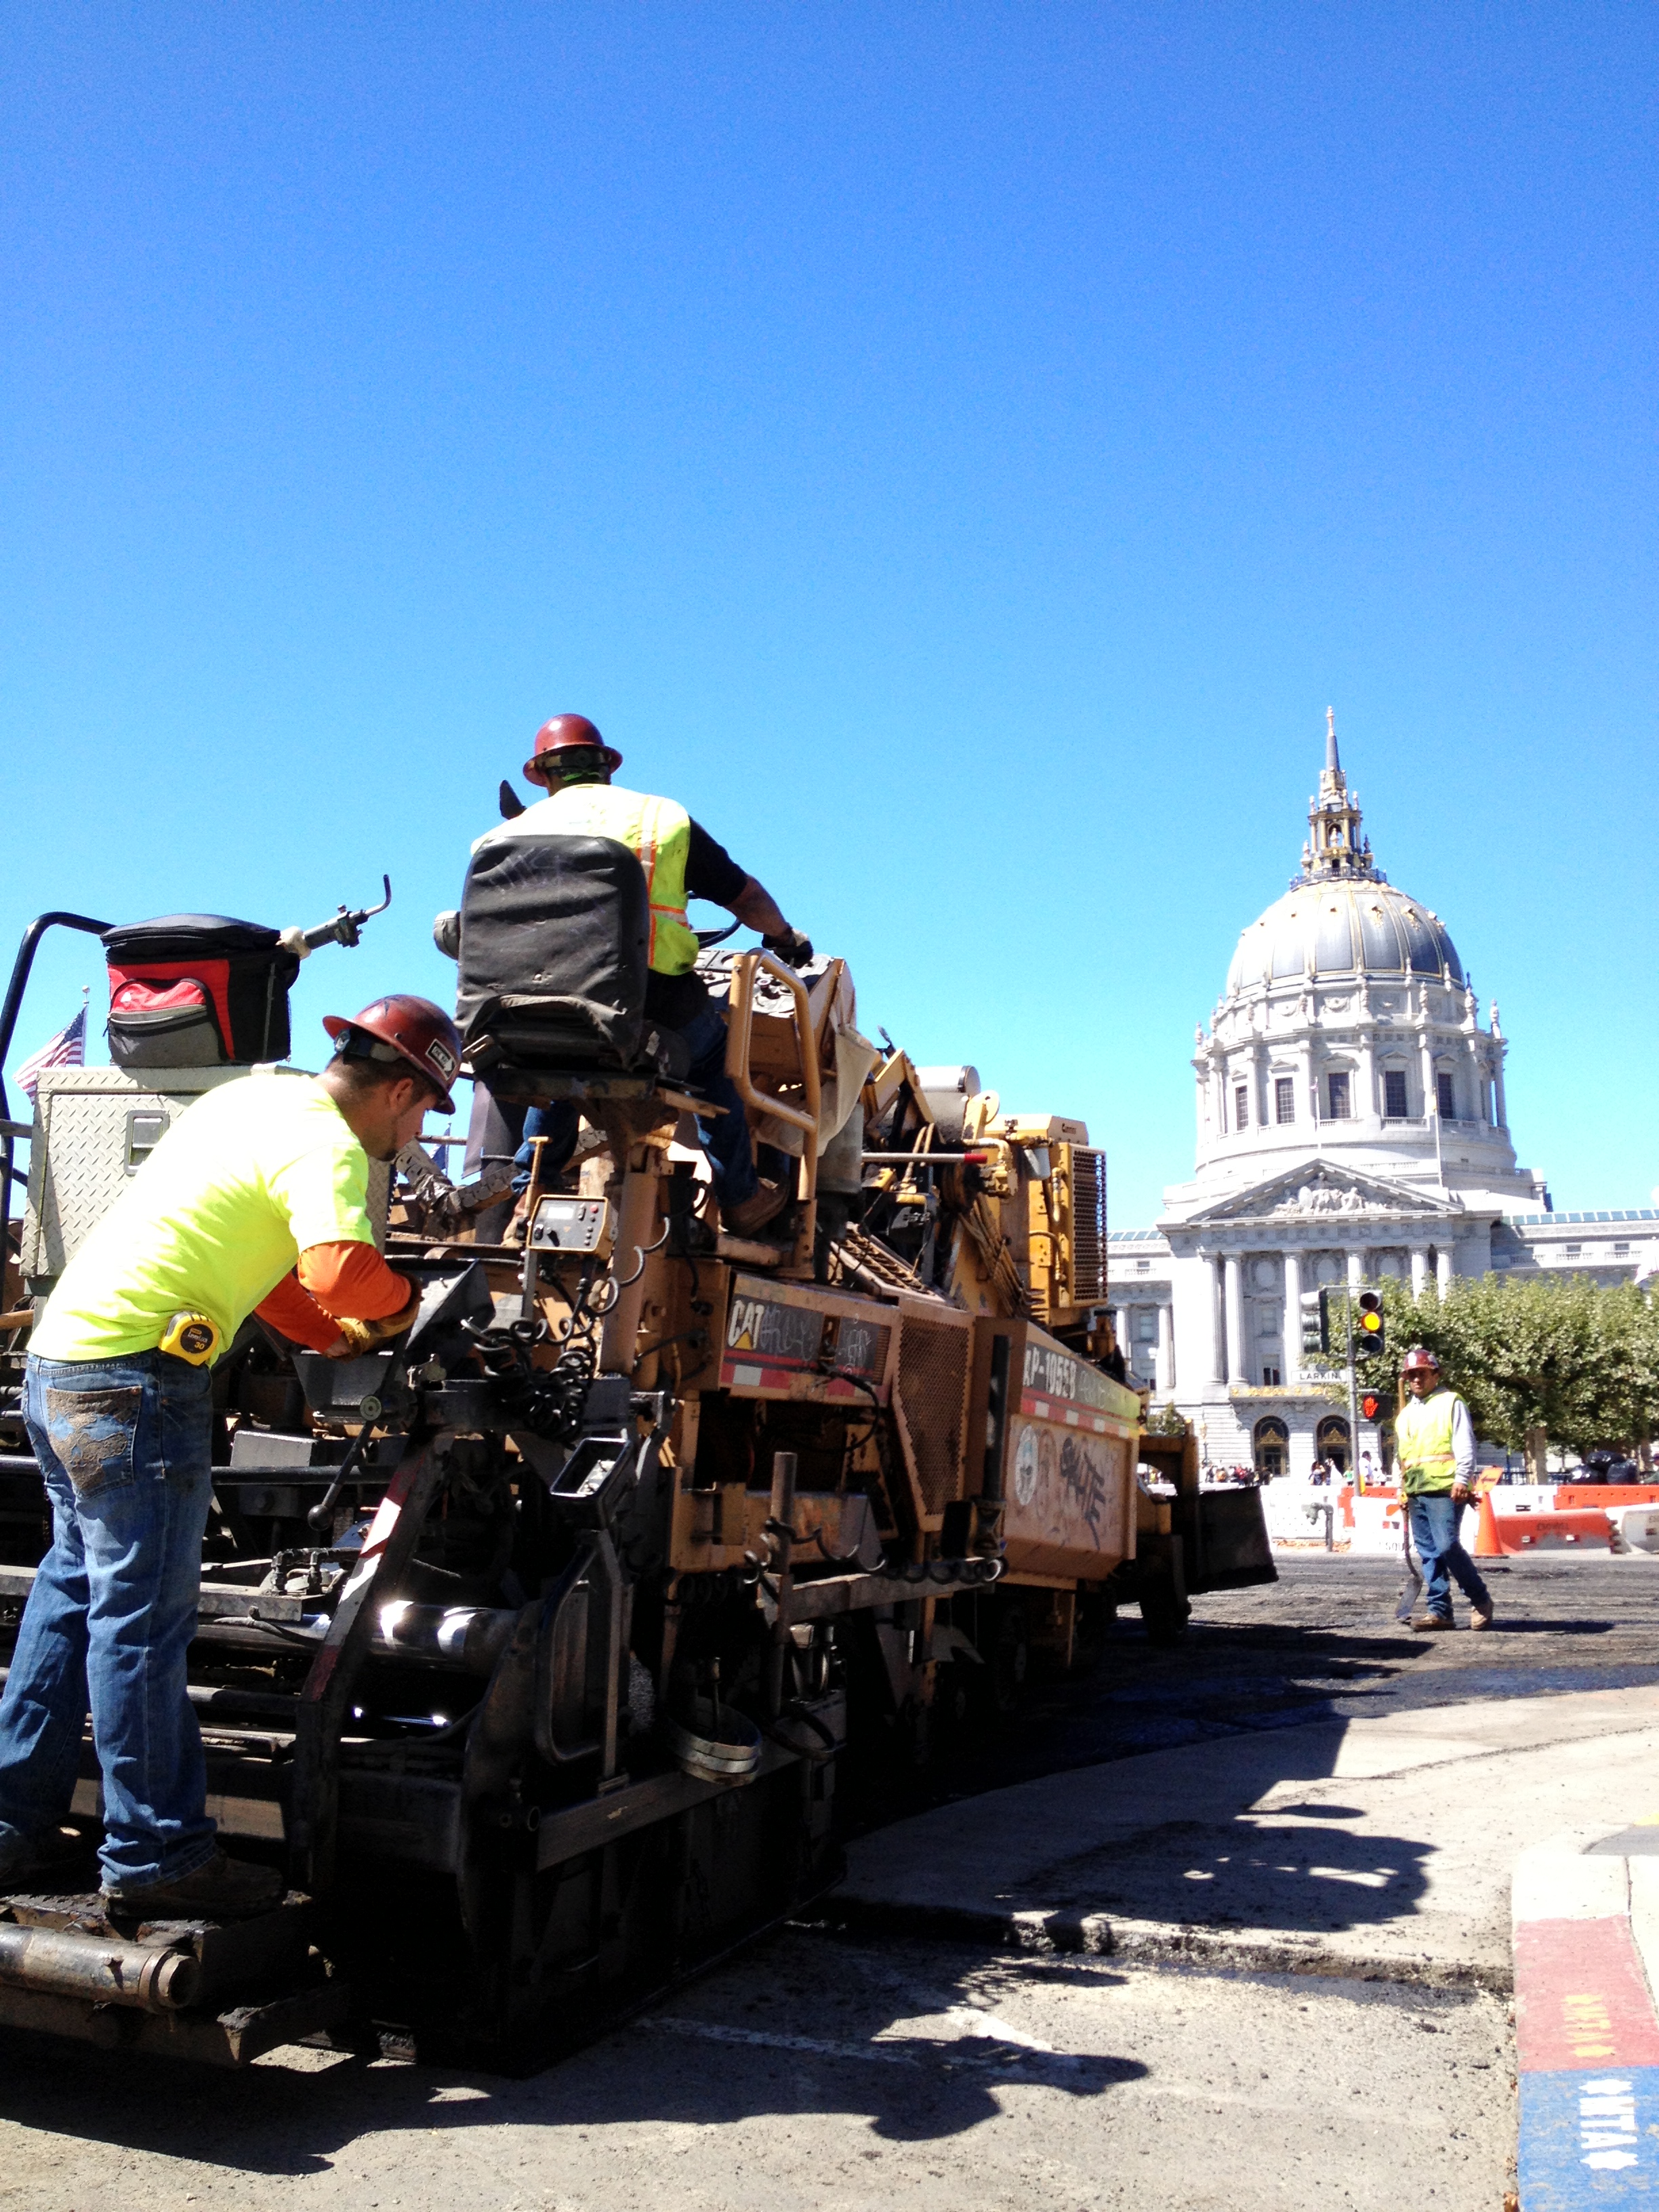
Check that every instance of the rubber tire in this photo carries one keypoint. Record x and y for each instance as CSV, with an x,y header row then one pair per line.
x,y
1165,1615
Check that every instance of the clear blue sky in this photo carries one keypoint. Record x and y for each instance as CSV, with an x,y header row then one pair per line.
x,y
959,451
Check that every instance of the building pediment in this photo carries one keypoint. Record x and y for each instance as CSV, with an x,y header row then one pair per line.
x,y
1316,1190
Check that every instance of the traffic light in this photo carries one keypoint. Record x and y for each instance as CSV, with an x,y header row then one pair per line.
x,y
1315,1323
1371,1333
1377,1405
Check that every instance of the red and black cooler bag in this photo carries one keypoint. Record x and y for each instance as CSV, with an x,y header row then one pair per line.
x,y
196,990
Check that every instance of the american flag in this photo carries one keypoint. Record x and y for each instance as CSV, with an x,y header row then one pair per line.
x,y
67,1049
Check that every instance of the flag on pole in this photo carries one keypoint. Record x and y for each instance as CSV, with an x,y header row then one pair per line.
x,y
67,1049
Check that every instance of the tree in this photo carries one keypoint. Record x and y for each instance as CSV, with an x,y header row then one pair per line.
x,y
1555,1352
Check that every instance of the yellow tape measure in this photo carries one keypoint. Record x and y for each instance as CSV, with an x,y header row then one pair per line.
x,y
191,1336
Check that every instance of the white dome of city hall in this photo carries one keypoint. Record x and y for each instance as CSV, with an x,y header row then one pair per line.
x,y
1344,926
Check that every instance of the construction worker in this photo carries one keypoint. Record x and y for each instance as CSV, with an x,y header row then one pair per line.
x,y
573,765
1434,1441
254,1202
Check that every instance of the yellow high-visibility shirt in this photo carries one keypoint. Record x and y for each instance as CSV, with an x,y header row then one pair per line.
x,y
1423,1440
252,1175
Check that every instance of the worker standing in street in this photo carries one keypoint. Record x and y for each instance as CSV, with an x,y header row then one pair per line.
x,y
573,765
254,1202
1434,1439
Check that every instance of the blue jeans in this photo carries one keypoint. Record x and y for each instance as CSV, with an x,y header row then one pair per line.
x,y
1434,1520
125,1445
724,1137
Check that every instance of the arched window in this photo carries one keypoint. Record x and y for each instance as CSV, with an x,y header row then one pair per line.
x,y
1271,1441
1331,1442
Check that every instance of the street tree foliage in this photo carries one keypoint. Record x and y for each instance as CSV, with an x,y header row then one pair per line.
x,y
1556,1352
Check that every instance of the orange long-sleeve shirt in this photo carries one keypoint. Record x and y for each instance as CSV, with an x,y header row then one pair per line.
x,y
333,1283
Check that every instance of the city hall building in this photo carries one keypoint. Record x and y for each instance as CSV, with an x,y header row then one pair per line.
x,y
1352,1126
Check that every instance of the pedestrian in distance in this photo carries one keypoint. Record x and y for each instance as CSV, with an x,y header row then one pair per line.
x,y
1434,1438
254,1202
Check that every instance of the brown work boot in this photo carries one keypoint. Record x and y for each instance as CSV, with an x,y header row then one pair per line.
x,y
1480,1616
224,1889
753,1213
1433,1624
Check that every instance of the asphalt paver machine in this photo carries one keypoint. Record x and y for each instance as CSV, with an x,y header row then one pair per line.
x,y
531,1645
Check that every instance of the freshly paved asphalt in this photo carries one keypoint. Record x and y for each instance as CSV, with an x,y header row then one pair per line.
x,y
1322,1642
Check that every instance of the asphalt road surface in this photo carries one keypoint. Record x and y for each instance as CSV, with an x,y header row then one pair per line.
x,y
831,2074
1321,1642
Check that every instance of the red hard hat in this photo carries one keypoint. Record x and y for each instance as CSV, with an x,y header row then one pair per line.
x,y
1418,1356
569,733
407,1027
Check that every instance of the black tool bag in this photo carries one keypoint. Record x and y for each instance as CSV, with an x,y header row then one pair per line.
x,y
555,958
196,990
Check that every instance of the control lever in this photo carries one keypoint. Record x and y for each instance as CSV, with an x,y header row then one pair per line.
x,y
346,927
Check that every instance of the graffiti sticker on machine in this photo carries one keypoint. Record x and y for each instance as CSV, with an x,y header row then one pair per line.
x,y
1025,1466
1070,1489
803,1344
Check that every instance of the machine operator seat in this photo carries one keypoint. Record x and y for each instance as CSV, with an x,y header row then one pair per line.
x,y
554,961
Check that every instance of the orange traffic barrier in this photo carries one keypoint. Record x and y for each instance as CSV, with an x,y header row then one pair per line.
x,y
1531,1532
1488,1544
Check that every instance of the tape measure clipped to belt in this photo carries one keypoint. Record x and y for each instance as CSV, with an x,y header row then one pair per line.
x,y
191,1336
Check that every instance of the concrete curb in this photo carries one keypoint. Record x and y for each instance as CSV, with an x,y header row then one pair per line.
x,y
1160,1942
1586,1925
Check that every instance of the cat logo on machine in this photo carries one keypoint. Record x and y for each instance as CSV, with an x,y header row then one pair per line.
x,y
742,1331
1025,1466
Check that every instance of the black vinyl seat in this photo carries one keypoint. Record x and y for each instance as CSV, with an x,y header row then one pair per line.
x,y
554,962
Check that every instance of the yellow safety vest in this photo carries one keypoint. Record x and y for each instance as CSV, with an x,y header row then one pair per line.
x,y
1422,1438
655,830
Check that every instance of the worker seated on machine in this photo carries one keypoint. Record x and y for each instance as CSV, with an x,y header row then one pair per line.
x,y
573,764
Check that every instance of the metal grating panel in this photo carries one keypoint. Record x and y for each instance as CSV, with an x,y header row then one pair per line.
x,y
933,1389
1088,1226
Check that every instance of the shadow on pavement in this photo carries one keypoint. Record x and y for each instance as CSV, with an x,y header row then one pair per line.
x,y
780,2035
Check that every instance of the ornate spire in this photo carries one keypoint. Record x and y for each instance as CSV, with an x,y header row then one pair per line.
x,y
1336,846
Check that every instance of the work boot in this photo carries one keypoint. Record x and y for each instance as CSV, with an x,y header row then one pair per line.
x,y
224,1889
1480,1616
42,1856
752,1213
1433,1624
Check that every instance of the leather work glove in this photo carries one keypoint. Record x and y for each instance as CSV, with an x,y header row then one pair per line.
x,y
358,1337
791,947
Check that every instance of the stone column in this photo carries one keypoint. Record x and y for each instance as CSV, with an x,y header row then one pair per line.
x,y
1442,1268
1166,1379
1498,1085
1356,1271
1218,1364
1293,1316
1419,1269
1237,1372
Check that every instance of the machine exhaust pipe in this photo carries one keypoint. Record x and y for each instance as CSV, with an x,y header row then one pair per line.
x,y
99,1969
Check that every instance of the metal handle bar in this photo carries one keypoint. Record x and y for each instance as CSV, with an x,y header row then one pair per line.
x,y
741,1015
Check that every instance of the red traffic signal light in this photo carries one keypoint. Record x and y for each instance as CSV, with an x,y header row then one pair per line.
x,y
1371,1405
